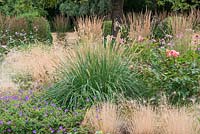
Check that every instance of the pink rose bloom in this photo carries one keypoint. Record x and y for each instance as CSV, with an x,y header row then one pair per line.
x,y
172,53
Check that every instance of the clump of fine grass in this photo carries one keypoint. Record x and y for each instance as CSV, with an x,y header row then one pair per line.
x,y
103,118
89,29
95,73
140,25
38,61
178,121
143,120
182,30
61,25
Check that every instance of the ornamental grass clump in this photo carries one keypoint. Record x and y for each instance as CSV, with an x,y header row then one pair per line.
x,y
140,25
103,118
94,74
89,29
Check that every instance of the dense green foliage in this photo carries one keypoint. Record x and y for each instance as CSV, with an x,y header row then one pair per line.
x,y
17,7
90,7
86,7
177,5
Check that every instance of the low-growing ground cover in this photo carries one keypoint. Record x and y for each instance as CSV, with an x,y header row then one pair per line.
x,y
28,112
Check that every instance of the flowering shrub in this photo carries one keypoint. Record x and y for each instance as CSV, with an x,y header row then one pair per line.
x,y
23,30
29,113
177,75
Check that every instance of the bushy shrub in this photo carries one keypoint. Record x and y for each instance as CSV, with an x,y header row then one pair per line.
x,y
41,29
31,114
23,30
96,74
174,74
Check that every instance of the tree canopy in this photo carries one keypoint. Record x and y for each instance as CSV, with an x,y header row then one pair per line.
x,y
91,7
17,7
85,7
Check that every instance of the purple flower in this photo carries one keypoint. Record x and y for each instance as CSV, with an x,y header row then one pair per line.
x,y
14,97
34,131
20,113
53,105
9,122
52,130
61,127
4,98
59,108
27,98
8,130
66,110
198,49
1,122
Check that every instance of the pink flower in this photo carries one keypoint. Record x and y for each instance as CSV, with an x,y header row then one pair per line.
x,y
109,38
121,41
140,38
196,36
172,53
196,39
